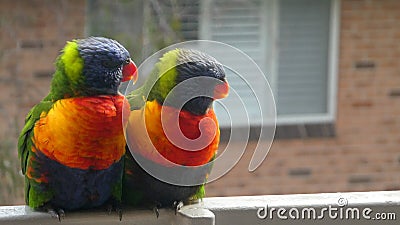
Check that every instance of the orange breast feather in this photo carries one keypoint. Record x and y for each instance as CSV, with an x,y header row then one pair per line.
x,y
146,135
82,132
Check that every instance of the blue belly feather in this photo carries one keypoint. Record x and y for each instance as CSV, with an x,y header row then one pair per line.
x,y
78,188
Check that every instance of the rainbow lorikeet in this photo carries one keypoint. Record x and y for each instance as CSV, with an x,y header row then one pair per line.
x,y
177,97
72,145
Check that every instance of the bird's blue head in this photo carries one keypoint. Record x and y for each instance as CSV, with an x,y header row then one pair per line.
x,y
105,64
92,66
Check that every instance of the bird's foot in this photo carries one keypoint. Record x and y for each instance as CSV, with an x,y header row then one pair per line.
x,y
115,206
56,213
156,208
177,205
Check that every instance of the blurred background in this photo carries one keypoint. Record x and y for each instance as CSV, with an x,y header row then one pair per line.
x,y
333,66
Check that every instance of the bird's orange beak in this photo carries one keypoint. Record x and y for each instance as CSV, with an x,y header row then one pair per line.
x,y
129,72
221,90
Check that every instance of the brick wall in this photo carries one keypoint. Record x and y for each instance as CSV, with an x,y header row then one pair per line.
x,y
32,33
364,155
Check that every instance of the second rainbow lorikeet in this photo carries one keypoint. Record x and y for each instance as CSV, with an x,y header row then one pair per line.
x,y
72,145
177,96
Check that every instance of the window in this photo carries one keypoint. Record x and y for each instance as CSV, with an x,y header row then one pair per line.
x,y
293,42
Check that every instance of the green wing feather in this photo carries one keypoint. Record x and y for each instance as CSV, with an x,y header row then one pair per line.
x,y
201,192
25,140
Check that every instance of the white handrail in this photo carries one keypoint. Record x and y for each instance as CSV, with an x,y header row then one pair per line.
x,y
382,207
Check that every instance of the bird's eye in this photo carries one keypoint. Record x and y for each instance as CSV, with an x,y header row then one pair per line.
x,y
110,64
127,61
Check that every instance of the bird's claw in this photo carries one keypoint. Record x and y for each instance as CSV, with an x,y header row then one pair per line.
x,y
56,213
119,211
156,211
117,207
177,205
156,207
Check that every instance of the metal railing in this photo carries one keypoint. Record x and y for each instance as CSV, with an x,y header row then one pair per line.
x,y
326,208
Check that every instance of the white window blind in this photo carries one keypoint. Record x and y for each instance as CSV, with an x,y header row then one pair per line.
x,y
302,80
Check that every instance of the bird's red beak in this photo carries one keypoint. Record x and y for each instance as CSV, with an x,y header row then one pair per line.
x,y
129,72
221,90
